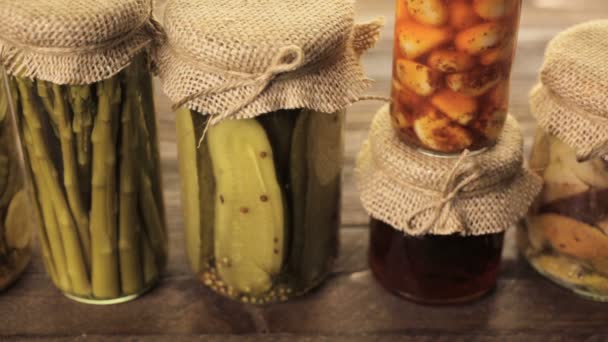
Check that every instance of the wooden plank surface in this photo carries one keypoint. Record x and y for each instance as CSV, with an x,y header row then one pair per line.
x,y
351,306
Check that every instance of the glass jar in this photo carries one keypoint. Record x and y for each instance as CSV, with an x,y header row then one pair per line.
x,y
452,63
434,269
565,237
92,151
261,201
15,212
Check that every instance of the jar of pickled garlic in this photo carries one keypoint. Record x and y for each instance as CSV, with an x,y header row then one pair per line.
x,y
84,106
16,214
566,236
260,115
452,64
438,223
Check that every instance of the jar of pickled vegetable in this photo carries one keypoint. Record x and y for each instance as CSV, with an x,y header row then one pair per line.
x,y
84,107
260,137
16,221
565,237
438,223
452,63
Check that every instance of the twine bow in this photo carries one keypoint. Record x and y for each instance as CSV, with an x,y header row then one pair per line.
x,y
444,205
288,59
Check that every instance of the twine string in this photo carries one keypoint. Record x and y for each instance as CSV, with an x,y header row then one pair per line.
x,y
444,204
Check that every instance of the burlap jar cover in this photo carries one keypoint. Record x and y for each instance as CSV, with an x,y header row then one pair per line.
x,y
570,101
235,59
474,194
73,41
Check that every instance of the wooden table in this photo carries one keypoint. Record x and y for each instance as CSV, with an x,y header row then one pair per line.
x,y
351,306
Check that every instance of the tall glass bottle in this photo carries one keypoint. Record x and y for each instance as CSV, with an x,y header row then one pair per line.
x,y
92,151
261,201
452,63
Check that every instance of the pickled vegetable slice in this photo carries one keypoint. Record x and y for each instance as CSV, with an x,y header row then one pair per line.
x,y
186,144
249,221
17,223
569,236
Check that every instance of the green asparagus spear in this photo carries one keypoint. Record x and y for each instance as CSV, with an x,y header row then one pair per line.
x,y
46,98
83,107
148,112
50,228
76,266
153,226
131,269
105,272
70,169
150,261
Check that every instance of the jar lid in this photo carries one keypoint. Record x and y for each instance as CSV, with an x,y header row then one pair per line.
x,y
570,102
73,41
235,59
475,193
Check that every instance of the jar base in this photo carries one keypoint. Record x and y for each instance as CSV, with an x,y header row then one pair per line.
x,y
428,301
10,280
588,295
290,293
112,301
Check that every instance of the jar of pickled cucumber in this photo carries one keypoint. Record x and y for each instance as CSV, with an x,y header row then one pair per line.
x,y
16,222
565,237
259,110
84,107
438,223
452,63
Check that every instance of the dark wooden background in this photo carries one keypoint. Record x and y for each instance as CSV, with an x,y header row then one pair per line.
x,y
350,306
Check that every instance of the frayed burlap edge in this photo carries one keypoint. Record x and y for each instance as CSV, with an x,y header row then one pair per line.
x,y
586,133
332,86
410,209
85,65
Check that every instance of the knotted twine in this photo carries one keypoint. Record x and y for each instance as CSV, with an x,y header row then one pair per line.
x,y
475,193
236,62
74,41
570,101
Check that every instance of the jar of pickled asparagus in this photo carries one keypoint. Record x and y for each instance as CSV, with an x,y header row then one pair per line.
x,y
259,92
566,235
83,102
438,223
16,214
452,63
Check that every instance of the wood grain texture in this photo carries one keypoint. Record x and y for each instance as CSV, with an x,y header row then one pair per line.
x,y
351,306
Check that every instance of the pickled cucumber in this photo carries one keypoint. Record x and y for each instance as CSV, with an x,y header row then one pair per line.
x,y
187,156
249,220
206,193
316,161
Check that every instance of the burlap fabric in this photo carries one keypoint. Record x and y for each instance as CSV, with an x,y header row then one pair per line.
x,y
235,59
571,102
73,41
474,194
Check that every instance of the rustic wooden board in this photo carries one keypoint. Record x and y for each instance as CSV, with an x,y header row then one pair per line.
x,y
351,306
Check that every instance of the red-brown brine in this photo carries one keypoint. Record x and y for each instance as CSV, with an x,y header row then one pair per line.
x,y
434,269
452,61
